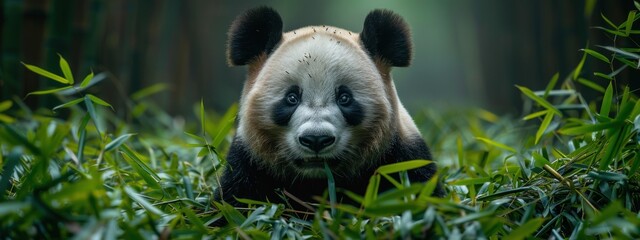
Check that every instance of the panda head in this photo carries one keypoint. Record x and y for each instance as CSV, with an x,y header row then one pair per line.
x,y
317,94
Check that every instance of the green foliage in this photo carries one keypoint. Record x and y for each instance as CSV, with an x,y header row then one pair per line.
x,y
569,169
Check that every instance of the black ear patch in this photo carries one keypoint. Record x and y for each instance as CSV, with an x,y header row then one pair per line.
x,y
252,33
386,36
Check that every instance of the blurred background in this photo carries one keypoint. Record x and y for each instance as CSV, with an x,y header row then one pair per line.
x,y
467,53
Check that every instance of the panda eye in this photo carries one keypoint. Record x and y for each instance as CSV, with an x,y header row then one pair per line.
x,y
292,99
344,99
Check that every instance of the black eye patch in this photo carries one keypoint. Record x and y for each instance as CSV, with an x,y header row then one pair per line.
x,y
285,108
352,111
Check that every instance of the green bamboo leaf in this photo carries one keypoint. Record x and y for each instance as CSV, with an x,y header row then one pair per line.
x,y
147,174
539,100
551,84
602,75
372,190
630,19
99,101
390,208
614,32
194,220
501,194
331,183
470,181
196,137
231,214
535,115
226,123
402,166
544,126
68,104
117,142
526,230
202,115
85,82
153,89
142,201
576,72
4,105
591,128
6,118
46,73
496,144
471,217
608,21
82,136
596,55
92,112
606,101
622,52
66,70
49,91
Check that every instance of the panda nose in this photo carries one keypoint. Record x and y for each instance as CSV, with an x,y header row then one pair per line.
x,y
316,142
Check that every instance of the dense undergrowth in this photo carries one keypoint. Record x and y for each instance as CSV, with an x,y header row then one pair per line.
x,y
568,170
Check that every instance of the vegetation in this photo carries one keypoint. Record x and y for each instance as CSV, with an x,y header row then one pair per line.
x,y
570,170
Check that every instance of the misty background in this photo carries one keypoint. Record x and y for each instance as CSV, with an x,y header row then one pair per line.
x,y
466,53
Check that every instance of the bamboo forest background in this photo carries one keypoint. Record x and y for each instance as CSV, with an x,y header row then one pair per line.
x,y
466,52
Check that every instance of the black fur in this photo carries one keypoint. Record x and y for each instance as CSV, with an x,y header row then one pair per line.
x,y
243,179
386,35
256,31
353,112
283,111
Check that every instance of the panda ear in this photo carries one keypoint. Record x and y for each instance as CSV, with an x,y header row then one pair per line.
x,y
252,33
387,36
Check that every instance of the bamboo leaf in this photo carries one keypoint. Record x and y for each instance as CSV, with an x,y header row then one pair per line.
x,y
608,21
92,112
46,73
117,142
66,70
153,89
602,75
85,82
5,105
68,104
630,19
372,190
402,166
6,118
147,174
606,101
596,55
142,202
496,144
49,91
591,128
470,181
226,123
535,115
539,100
526,230
544,126
551,84
621,52
99,101
576,72
202,113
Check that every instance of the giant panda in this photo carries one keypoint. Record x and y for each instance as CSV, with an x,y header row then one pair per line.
x,y
313,95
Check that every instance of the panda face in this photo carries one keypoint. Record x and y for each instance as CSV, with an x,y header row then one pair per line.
x,y
318,98
319,94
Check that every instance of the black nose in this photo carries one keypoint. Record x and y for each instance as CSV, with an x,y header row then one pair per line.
x,y
316,142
